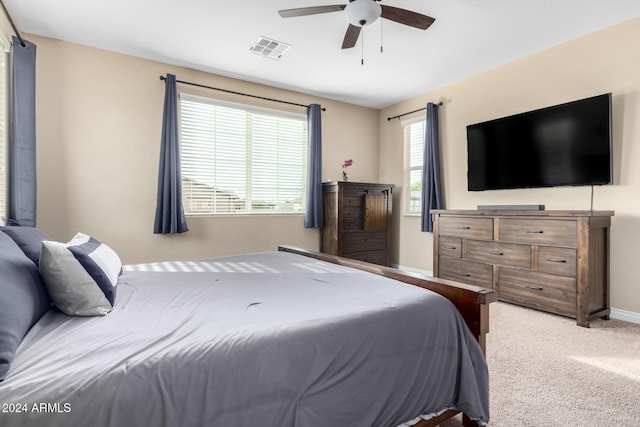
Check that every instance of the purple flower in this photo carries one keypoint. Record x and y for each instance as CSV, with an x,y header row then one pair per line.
x,y
347,163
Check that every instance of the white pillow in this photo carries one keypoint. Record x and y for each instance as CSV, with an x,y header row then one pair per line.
x,y
81,275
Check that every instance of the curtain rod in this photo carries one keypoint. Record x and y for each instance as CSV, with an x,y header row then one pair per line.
x,y
13,25
410,112
238,93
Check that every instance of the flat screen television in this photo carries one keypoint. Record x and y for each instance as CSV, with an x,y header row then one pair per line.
x,y
564,145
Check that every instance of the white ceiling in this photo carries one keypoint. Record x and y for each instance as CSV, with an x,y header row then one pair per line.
x,y
468,36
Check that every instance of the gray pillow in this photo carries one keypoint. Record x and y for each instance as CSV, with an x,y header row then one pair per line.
x,y
23,300
81,275
29,239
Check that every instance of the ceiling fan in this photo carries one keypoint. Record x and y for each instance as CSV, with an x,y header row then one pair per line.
x,y
361,13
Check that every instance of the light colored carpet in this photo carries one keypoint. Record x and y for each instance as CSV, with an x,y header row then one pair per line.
x,y
546,371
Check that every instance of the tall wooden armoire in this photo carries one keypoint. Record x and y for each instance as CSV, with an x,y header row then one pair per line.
x,y
357,220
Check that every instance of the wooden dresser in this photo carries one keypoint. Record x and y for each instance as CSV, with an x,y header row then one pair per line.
x,y
357,220
556,261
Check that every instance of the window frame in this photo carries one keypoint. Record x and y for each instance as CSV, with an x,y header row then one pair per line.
x,y
408,167
249,208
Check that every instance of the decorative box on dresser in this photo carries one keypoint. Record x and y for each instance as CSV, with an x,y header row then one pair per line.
x,y
555,261
357,220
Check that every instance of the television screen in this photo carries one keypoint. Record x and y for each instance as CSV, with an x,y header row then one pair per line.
x,y
563,145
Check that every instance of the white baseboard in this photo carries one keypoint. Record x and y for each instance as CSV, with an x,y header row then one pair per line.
x,y
627,316
415,270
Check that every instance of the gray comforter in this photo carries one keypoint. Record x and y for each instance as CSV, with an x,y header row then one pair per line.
x,y
270,339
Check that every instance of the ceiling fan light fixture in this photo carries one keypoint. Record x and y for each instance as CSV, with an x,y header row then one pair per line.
x,y
363,12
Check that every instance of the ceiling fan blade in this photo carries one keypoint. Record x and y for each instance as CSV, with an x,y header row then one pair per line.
x,y
407,17
351,36
303,11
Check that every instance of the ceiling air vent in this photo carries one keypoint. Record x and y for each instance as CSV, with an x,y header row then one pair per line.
x,y
269,48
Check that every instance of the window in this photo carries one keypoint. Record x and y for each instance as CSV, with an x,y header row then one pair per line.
x,y
3,132
238,159
414,154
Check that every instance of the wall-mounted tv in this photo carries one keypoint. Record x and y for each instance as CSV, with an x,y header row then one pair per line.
x,y
564,145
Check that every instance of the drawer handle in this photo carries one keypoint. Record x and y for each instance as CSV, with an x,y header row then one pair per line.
x,y
534,231
462,273
464,227
496,253
449,247
564,261
534,287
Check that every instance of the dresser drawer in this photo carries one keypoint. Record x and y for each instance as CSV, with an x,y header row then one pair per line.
x,y
512,254
459,226
375,256
352,218
556,294
469,272
450,247
364,241
556,231
557,260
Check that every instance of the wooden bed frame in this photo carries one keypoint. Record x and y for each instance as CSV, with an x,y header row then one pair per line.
x,y
471,301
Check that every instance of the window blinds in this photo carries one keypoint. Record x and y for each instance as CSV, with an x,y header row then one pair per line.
x,y
237,159
414,151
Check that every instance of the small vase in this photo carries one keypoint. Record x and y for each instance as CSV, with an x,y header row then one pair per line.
x,y
345,178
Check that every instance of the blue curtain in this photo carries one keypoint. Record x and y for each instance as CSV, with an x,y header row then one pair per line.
x,y
22,145
169,211
313,212
431,188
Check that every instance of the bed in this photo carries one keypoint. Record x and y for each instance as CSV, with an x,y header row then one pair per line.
x,y
283,338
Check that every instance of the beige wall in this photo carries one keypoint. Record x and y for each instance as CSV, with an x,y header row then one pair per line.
x,y
606,61
98,133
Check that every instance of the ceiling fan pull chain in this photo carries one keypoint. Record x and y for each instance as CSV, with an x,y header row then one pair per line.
x,y
362,50
381,36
